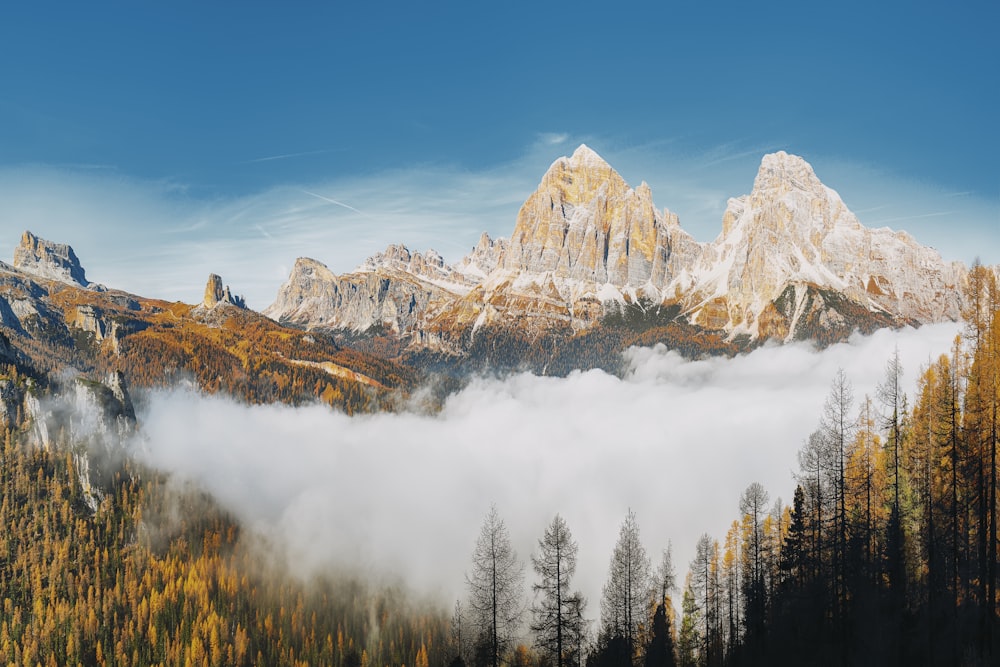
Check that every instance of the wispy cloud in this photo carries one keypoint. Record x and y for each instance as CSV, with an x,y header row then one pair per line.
x,y
286,156
553,139
333,201
911,217
871,209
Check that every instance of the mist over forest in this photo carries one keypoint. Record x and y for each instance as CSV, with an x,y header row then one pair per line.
x,y
402,495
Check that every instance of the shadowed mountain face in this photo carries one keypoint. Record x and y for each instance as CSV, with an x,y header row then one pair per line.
x,y
791,262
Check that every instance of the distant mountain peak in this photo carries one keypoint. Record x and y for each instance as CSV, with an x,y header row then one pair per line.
x,y
784,171
584,155
791,261
45,259
584,222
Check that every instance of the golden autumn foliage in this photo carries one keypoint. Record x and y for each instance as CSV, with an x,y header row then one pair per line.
x,y
222,349
154,577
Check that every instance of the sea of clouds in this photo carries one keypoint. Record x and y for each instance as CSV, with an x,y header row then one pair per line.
x,y
403,495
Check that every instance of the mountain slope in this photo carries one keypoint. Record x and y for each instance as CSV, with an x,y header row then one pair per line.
x,y
56,326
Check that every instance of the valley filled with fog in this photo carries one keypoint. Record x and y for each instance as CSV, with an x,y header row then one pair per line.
x,y
401,496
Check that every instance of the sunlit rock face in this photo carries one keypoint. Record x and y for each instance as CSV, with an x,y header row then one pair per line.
x,y
45,259
793,230
791,261
585,223
216,293
583,238
381,295
485,257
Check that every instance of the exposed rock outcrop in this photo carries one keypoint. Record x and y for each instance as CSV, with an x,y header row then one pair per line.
x,y
314,297
585,223
791,260
216,293
53,261
94,419
484,258
792,230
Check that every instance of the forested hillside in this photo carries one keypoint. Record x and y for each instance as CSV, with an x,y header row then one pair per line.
x,y
221,348
886,554
161,577
888,551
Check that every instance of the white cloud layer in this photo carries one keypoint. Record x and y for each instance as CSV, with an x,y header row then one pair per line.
x,y
404,494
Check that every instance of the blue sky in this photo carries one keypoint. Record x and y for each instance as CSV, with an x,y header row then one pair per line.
x,y
166,140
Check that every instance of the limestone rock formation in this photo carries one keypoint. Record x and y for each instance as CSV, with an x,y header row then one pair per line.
x,y
428,266
585,223
381,296
216,294
53,261
791,260
792,230
98,418
484,258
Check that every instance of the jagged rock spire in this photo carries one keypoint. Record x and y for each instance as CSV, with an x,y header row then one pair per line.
x,y
215,294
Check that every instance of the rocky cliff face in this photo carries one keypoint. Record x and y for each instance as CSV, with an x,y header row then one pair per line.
x,y
585,223
793,231
386,295
484,258
95,421
216,294
790,257
52,261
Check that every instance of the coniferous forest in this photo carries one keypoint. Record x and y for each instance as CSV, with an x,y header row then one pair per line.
x,y
886,555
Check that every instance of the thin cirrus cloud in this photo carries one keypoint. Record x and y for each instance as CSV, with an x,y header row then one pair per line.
x,y
403,495
160,239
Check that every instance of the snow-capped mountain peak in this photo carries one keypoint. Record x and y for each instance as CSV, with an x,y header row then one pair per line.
x,y
793,230
791,261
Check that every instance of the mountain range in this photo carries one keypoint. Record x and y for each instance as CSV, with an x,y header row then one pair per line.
x,y
55,325
590,268
791,262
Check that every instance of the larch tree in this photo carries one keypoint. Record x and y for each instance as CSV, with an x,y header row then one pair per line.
x,y
892,398
703,590
457,636
731,585
753,508
624,604
660,649
666,575
837,427
866,483
982,306
689,640
557,616
495,590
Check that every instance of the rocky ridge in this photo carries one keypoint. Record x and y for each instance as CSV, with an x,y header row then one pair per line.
x,y
794,233
53,329
791,259
51,261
